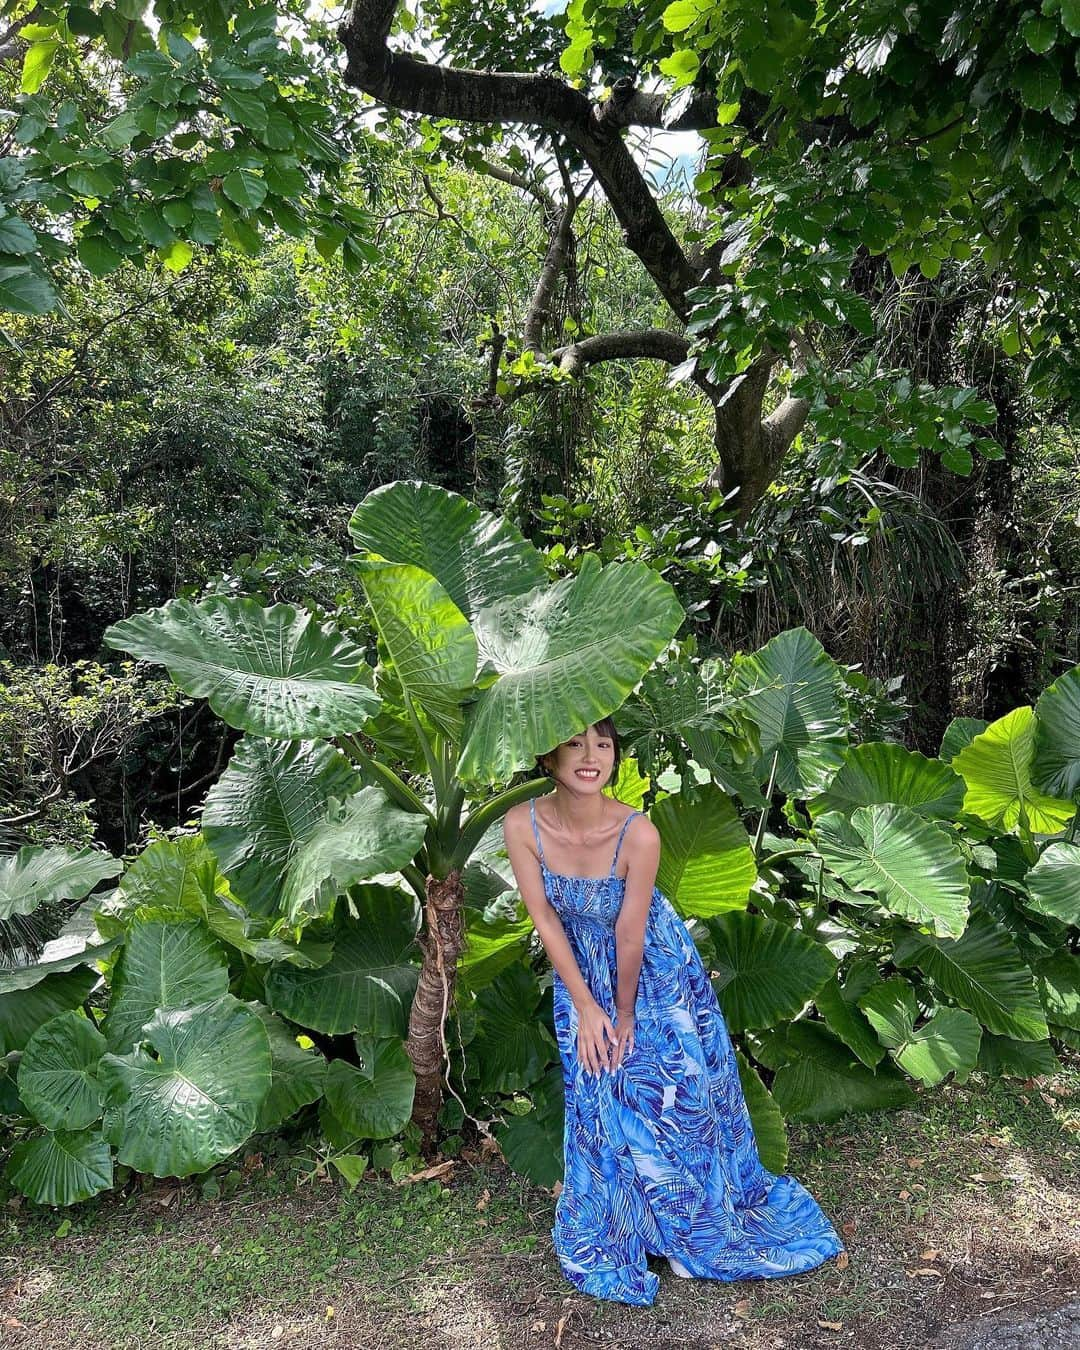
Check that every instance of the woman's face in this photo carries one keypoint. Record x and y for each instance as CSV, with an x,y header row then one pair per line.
x,y
583,764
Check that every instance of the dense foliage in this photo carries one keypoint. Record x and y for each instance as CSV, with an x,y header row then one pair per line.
x,y
873,918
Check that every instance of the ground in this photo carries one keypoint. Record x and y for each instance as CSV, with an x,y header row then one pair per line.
x,y
961,1216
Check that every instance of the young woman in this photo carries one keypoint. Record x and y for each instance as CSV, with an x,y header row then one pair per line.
x,y
659,1154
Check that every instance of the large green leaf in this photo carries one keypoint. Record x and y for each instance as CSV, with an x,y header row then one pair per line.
x,y
532,1144
512,1045
297,1076
62,1168
364,836
1059,989
274,672
948,1042
491,945
429,640
1056,765
983,971
823,1079
1036,936
769,1133
368,983
706,863
766,970
845,1019
376,1100
197,1097
58,1073
909,863
40,874
61,954
273,796
1000,1055
961,731
475,556
630,785
162,965
24,1010
1053,884
880,772
182,874
792,690
997,769
566,658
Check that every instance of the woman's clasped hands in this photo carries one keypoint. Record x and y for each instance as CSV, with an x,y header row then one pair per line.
x,y
603,1044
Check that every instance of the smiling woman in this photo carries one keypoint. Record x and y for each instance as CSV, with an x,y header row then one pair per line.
x,y
659,1155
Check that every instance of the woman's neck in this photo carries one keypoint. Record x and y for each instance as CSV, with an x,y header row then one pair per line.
x,y
578,815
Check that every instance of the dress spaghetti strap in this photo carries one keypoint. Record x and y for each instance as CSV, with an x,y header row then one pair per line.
x,y
618,846
536,832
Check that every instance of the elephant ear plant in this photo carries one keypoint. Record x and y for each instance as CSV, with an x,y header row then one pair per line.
x,y
334,845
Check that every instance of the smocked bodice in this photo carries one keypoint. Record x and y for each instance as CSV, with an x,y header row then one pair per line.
x,y
583,902
594,900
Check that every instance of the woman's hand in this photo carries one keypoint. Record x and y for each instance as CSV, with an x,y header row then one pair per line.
x,y
593,1025
624,1037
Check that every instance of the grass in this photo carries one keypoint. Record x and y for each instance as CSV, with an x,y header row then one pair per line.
x,y
965,1206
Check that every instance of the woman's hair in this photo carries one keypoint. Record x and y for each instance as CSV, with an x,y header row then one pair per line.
x,y
606,727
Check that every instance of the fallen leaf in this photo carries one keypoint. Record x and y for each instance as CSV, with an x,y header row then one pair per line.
x,y
987,1176
742,1308
924,1270
831,1326
430,1173
915,1162
842,1260
1047,1098
216,1250
538,1325
931,1254
329,1311
848,1229
556,1189
560,1329
489,1145
904,1195
277,1333
995,1142
485,1196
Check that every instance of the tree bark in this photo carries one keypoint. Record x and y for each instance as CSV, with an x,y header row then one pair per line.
x,y
441,940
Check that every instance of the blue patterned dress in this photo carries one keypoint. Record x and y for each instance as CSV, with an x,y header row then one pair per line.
x,y
659,1157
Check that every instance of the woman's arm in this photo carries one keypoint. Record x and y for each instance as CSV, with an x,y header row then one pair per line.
x,y
530,882
642,847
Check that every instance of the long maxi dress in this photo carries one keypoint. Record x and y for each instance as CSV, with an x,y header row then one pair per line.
x,y
660,1156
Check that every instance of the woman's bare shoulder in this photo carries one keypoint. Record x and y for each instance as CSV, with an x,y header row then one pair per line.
x,y
641,828
516,816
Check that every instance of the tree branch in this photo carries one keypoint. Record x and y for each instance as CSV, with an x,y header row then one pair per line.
x,y
629,106
401,81
655,344
554,263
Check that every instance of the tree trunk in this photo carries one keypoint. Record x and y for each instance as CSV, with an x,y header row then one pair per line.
x,y
441,940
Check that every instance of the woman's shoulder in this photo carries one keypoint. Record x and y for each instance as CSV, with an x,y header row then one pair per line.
x,y
640,827
517,816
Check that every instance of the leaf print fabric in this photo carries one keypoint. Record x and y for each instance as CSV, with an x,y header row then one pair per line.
x,y
660,1156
